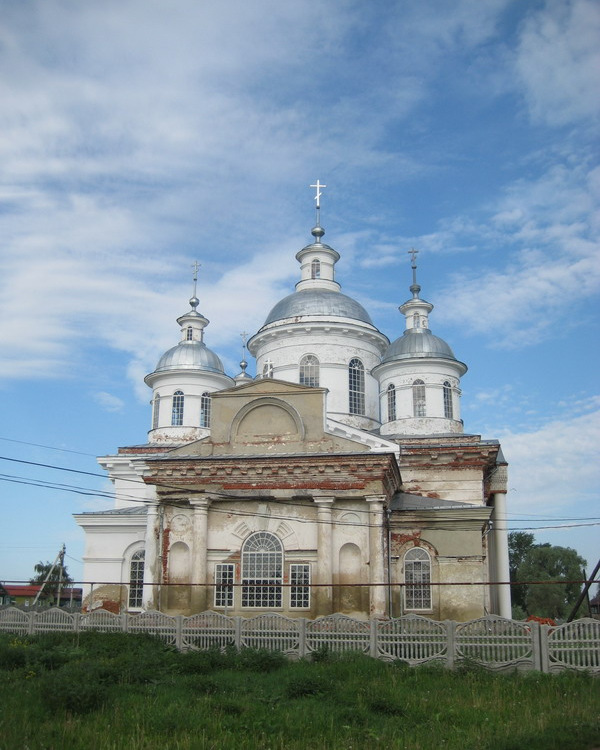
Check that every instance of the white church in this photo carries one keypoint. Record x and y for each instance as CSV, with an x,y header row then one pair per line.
x,y
339,479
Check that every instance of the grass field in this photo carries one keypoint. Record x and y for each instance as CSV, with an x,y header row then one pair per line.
x,y
112,691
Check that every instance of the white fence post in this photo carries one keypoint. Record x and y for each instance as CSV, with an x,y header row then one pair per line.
x,y
374,632
450,643
302,637
238,633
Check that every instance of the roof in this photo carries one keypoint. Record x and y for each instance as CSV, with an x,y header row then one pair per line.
x,y
190,355
141,511
318,302
418,342
406,501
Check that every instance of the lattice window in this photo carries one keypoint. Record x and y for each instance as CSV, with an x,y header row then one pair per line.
x,y
205,410
189,334
136,579
155,408
177,410
418,393
315,269
224,580
448,410
268,369
356,386
416,320
417,576
391,402
309,370
262,570
299,586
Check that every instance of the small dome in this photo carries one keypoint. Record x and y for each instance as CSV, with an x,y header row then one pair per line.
x,y
190,355
418,343
318,302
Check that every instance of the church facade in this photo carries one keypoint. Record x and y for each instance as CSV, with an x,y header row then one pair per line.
x,y
339,479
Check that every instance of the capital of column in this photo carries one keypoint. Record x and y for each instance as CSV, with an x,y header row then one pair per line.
x,y
324,500
373,500
200,503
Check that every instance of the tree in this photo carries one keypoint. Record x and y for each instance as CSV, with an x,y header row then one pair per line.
x,y
519,544
55,573
545,562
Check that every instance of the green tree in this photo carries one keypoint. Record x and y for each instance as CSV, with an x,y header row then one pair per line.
x,y
56,573
519,544
545,562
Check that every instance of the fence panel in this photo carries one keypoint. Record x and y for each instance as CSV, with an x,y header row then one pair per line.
x,y
103,620
496,643
55,621
208,630
154,623
13,620
412,639
575,645
275,632
338,633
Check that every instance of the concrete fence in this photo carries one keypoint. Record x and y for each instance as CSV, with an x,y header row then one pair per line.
x,y
492,642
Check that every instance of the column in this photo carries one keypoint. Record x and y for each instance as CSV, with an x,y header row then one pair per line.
x,y
377,567
199,571
501,562
324,573
151,558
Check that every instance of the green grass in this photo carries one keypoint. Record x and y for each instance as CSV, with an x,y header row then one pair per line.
x,y
109,692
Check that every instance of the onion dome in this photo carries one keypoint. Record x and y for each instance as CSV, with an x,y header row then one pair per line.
x,y
318,302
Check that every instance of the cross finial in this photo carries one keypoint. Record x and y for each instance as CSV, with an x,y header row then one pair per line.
x,y
413,253
415,288
195,266
244,336
318,195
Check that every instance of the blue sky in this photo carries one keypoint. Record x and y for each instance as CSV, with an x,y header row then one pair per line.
x,y
137,136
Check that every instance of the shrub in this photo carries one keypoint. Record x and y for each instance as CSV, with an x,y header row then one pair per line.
x,y
77,688
12,655
305,684
260,660
203,662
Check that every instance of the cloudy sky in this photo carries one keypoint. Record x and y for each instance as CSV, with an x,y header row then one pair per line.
x,y
138,136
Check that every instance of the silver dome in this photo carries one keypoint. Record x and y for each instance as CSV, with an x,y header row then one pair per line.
x,y
318,302
418,343
190,355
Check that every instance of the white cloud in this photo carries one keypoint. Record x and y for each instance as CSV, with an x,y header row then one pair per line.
x,y
109,402
558,61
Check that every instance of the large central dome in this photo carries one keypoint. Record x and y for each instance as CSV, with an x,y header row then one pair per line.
x,y
319,302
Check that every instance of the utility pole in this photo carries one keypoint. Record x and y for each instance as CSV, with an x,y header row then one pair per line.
x,y
584,593
60,561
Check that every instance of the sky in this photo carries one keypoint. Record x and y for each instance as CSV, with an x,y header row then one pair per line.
x,y
139,136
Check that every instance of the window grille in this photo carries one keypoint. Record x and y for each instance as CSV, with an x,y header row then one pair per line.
x,y
205,409
189,334
315,269
268,369
356,386
391,402
177,411
416,321
417,576
418,391
299,586
262,570
309,370
136,579
224,579
448,411
155,408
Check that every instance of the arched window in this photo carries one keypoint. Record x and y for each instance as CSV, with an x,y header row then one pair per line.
x,y
205,410
177,409
417,576
356,386
155,408
268,369
136,579
448,411
309,370
391,402
262,570
315,269
418,391
189,334
416,322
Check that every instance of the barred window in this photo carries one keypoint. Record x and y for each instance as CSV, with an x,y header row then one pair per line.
x,y
262,570
418,392
189,334
315,269
155,408
224,579
309,370
417,576
177,410
356,386
391,402
136,579
205,410
299,586
448,411
416,320
268,369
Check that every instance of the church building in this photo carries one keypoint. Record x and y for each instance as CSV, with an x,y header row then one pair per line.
x,y
339,479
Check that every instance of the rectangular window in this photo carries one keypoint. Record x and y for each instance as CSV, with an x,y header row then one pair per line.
x,y
224,579
299,586
417,595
